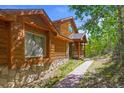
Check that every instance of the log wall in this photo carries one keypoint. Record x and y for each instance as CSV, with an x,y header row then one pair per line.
x,y
59,48
4,42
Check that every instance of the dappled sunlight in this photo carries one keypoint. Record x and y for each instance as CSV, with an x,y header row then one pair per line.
x,y
61,72
108,74
70,81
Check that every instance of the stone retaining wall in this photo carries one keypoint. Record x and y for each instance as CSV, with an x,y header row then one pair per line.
x,y
23,77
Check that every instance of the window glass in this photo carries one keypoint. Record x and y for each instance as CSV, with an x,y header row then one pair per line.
x,y
70,28
34,45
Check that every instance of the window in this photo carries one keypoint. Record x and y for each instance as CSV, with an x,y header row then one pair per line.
x,y
70,28
35,45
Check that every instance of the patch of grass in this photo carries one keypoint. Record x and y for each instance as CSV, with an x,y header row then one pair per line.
x,y
100,75
62,72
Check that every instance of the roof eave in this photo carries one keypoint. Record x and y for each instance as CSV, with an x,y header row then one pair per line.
x,y
64,38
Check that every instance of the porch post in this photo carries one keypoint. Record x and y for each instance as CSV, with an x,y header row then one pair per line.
x,y
78,49
84,48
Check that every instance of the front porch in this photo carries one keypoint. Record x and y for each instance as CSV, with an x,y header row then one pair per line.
x,y
77,47
77,50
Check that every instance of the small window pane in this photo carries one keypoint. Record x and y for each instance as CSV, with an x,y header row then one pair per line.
x,y
70,28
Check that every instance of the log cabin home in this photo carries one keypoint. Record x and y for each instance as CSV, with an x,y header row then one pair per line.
x,y
30,37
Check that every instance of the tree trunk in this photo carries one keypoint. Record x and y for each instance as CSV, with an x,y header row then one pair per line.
x,y
120,46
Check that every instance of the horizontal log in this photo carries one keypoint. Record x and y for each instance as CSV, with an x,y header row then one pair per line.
x,y
60,55
3,51
3,56
3,40
3,60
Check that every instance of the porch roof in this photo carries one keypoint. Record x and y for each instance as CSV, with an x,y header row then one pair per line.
x,y
76,36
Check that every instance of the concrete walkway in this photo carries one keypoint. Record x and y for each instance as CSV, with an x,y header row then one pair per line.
x,y
72,79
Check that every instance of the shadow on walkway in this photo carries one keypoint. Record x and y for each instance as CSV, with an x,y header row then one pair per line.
x,y
70,81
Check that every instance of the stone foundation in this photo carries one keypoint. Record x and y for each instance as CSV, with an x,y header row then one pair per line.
x,y
22,77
